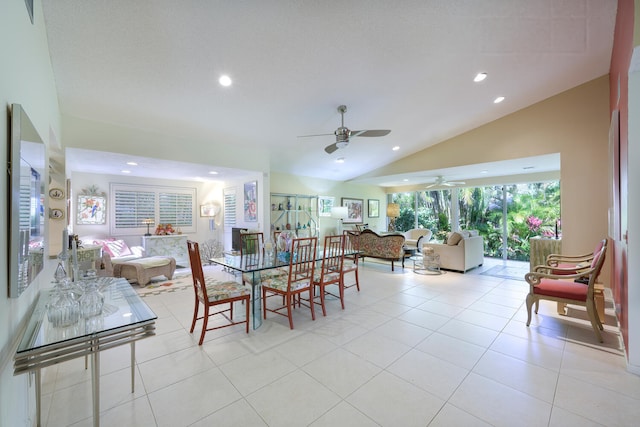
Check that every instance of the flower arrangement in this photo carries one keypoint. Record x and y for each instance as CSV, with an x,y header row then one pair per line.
x,y
164,229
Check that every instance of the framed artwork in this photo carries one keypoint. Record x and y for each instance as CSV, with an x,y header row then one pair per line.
x,y
251,201
374,208
207,210
354,210
325,204
92,210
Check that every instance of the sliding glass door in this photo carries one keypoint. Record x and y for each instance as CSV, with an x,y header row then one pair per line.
x,y
507,216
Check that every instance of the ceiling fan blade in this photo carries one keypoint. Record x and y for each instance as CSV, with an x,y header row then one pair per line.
x,y
320,134
331,148
371,133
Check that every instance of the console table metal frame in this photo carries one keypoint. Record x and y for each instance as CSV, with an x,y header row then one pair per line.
x,y
33,354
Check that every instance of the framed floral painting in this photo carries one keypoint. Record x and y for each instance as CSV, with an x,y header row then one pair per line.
x,y
374,208
354,210
92,210
251,201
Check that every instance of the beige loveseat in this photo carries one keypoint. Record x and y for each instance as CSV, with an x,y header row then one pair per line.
x,y
388,246
462,251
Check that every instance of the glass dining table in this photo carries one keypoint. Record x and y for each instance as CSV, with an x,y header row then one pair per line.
x,y
124,319
256,265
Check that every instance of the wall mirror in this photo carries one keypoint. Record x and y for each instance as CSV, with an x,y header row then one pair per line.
x,y
26,170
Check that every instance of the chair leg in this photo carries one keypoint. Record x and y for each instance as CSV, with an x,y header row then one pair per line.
x,y
195,315
341,290
530,301
357,280
246,303
204,323
289,302
313,311
593,315
321,290
264,303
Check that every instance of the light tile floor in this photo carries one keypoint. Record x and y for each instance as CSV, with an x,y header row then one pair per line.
x,y
408,350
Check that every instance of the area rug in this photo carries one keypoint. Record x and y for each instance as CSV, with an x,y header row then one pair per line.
x,y
505,272
181,280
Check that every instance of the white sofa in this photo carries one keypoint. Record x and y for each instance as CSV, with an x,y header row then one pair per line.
x,y
462,251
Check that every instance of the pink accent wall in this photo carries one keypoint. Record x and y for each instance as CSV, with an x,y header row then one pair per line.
x,y
618,96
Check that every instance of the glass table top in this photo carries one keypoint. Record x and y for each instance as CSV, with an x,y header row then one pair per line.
x,y
123,308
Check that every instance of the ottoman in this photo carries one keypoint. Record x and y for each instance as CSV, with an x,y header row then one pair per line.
x,y
143,269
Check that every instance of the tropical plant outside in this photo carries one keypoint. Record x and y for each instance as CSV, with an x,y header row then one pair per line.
x,y
533,209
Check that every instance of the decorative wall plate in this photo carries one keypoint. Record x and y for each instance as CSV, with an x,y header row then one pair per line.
x,y
56,213
56,193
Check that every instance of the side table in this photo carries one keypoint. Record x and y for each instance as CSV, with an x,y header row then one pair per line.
x,y
426,264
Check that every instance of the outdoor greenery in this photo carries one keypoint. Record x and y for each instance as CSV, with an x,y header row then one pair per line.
x,y
532,210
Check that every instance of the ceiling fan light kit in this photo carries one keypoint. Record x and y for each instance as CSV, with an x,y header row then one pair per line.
x,y
343,133
442,182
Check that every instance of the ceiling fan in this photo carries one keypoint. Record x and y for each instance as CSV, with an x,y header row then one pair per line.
x,y
343,134
441,181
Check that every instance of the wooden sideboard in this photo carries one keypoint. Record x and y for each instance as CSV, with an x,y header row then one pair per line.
x,y
173,245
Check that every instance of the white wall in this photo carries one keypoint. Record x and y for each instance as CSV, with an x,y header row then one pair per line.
x,y
26,78
206,192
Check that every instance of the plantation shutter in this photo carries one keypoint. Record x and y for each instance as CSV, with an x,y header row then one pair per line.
x,y
229,209
176,209
131,207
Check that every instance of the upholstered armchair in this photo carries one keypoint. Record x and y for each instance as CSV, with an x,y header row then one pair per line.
x,y
416,237
575,288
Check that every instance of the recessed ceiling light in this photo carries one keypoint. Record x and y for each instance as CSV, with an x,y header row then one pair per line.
x,y
480,77
225,80
125,171
213,173
406,179
340,160
132,163
396,148
498,100
484,171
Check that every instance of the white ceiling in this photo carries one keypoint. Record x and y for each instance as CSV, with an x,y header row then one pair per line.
x,y
405,65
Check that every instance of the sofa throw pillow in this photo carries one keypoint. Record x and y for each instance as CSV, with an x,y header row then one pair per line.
x,y
454,238
115,248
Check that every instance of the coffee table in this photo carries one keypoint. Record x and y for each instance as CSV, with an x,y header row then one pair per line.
x,y
426,264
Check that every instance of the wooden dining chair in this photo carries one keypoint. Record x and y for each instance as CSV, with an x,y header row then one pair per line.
x,y
212,293
299,280
252,255
350,258
576,289
330,271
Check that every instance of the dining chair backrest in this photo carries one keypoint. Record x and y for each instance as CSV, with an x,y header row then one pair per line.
x,y
333,256
196,270
251,243
302,260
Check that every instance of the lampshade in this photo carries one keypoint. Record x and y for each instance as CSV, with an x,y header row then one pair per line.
x,y
147,221
393,210
339,212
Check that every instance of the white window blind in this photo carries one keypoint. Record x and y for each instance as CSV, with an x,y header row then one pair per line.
x,y
229,208
131,207
176,209
131,204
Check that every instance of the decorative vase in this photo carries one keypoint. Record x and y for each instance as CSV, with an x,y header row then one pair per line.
x,y
64,308
92,301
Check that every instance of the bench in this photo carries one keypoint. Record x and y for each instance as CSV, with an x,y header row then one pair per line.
x,y
143,269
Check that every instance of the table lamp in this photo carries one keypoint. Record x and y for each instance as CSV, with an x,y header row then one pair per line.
x,y
339,213
148,222
393,212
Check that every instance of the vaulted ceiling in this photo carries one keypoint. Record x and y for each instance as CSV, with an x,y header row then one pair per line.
x,y
405,65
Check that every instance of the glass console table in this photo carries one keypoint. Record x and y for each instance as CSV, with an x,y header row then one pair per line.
x,y
426,264
125,319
